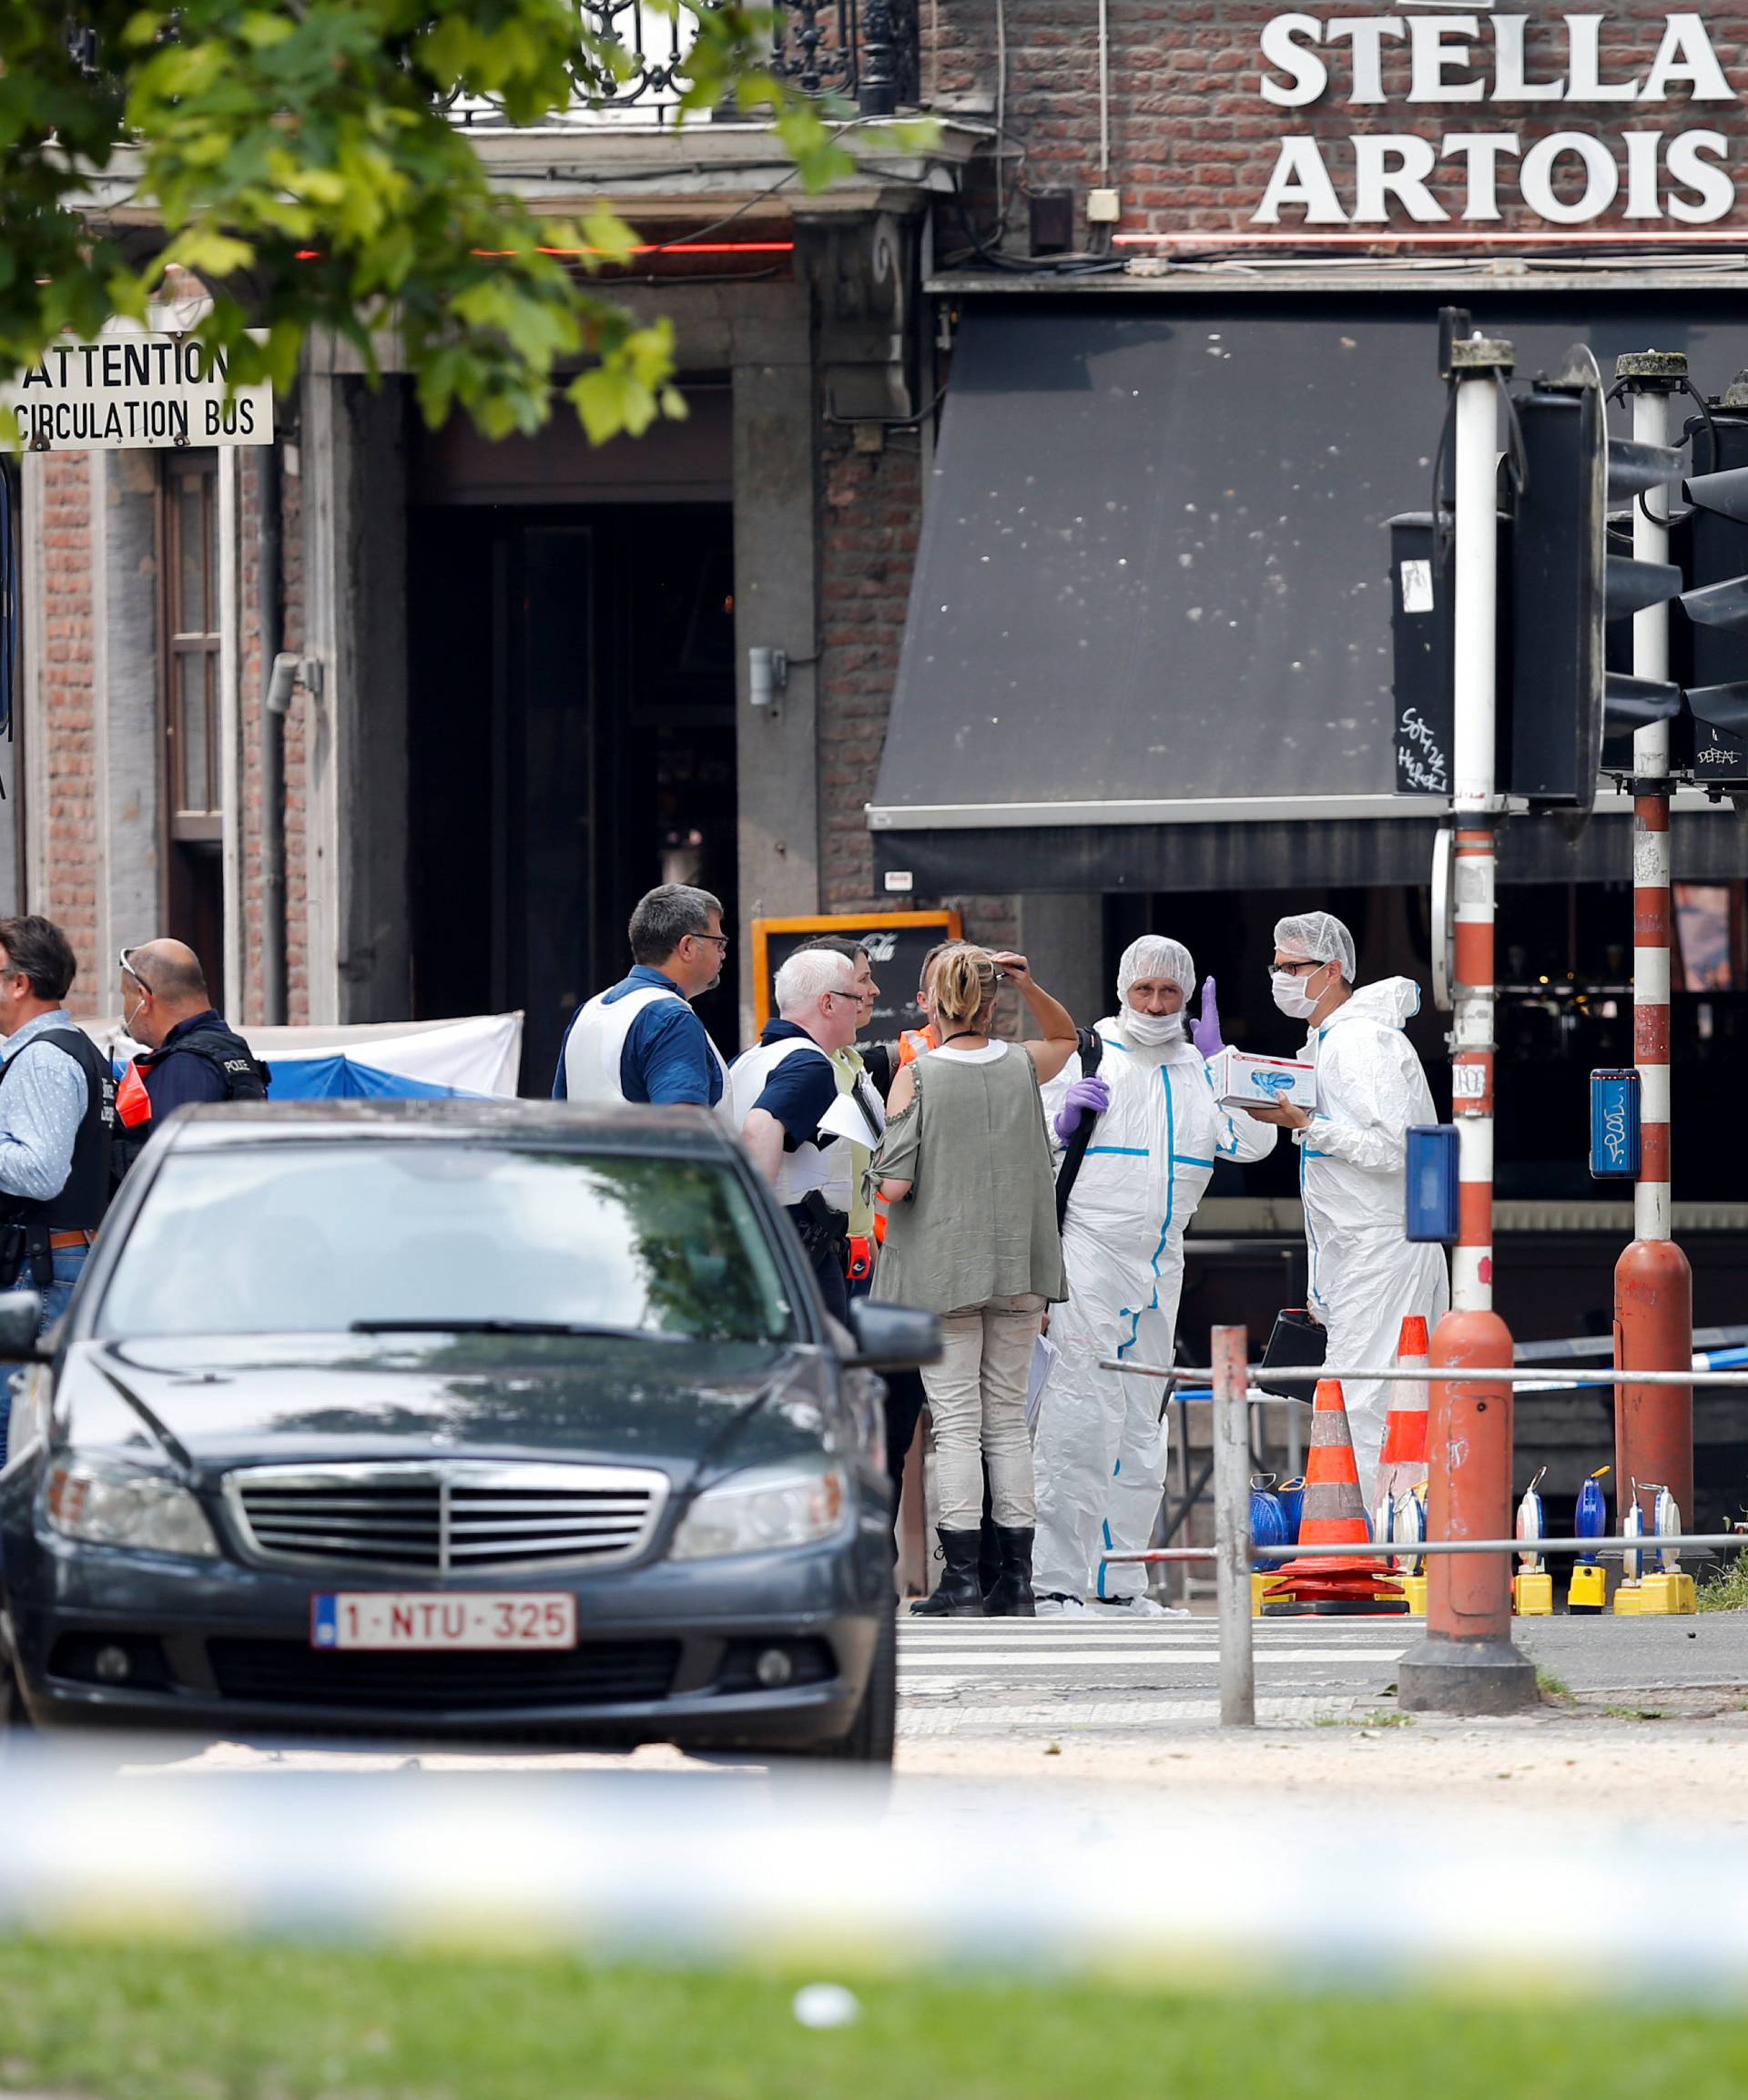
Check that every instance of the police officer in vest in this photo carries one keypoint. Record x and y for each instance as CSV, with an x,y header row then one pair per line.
x,y
781,1091
640,1040
57,1109
192,1053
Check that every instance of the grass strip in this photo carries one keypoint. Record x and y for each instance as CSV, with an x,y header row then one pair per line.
x,y
273,2022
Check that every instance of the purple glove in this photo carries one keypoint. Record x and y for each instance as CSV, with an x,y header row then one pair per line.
x,y
1082,1095
1205,1033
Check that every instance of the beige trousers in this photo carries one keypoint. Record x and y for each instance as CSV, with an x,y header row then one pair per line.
x,y
977,1396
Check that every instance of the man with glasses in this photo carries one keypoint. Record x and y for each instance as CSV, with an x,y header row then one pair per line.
x,y
640,1040
783,1090
1365,1275
844,1190
192,1053
57,1112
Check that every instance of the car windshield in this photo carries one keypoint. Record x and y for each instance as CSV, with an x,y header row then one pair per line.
x,y
288,1238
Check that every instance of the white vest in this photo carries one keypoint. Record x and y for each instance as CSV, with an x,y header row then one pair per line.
x,y
808,1167
597,1044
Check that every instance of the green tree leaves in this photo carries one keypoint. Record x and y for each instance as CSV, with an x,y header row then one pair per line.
x,y
299,159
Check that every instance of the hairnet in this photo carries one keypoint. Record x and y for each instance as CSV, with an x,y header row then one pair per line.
x,y
1318,937
1153,955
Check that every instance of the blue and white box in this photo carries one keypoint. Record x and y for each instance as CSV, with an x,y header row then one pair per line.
x,y
1242,1081
1614,1125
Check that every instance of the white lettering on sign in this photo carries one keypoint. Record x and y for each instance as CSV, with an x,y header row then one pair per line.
x,y
1468,1083
1570,179
1613,1131
130,389
1420,764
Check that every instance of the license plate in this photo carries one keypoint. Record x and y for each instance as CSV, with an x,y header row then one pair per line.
x,y
436,1618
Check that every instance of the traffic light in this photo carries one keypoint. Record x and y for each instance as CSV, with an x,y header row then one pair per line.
x,y
1568,588
1708,645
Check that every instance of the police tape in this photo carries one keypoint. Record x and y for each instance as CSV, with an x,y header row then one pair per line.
x,y
706,1867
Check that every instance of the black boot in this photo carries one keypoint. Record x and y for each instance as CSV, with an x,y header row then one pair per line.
x,y
957,1595
1012,1598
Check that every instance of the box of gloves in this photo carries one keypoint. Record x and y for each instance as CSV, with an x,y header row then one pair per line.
x,y
1243,1080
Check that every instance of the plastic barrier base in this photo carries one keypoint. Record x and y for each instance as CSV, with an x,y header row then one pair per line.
x,y
1666,1594
1532,1595
1589,1590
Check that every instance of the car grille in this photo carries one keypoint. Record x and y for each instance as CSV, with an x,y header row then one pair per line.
x,y
287,1673
447,1518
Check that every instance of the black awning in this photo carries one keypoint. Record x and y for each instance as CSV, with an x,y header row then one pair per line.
x,y
1153,584
1709,845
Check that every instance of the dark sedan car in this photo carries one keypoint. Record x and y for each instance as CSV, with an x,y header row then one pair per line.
x,y
453,1418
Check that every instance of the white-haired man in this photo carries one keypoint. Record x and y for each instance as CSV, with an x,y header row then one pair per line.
x,y
782,1089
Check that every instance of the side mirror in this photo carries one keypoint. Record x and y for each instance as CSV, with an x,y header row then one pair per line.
x,y
888,1337
21,1314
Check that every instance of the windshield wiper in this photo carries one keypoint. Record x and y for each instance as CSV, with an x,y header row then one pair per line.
x,y
566,1327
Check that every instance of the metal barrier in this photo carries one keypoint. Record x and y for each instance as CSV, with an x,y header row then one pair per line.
x,y
1235,1556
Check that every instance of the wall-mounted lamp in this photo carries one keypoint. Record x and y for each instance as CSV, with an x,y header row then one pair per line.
x,y
768,675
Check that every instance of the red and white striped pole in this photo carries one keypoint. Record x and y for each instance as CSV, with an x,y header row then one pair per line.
x,y
1653,1285
1467,1664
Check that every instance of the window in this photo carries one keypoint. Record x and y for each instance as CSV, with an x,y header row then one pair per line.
x,y
192,634
290,1239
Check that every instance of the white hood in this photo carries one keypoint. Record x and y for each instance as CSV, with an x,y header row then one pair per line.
x,y
1391,1002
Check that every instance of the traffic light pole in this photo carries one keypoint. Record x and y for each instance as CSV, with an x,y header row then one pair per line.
x,y
1653,1285
1467,1664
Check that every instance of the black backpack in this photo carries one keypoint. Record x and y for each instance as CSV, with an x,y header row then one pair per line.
x,y
1075,1151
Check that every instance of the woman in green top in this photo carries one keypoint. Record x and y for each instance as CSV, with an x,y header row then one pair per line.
x,y
966,1166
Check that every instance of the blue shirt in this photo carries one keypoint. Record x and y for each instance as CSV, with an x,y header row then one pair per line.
x,y
800,1090
186,1078
42,1106
668,1056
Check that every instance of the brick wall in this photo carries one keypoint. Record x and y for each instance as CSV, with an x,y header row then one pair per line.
x,y
66,720
870,514
1193,139
254,671
869,506
252,674
297,886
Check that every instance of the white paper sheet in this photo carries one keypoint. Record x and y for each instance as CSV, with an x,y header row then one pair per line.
x,y
1044,1354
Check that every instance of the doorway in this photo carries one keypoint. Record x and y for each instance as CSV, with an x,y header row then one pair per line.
x,y
571,745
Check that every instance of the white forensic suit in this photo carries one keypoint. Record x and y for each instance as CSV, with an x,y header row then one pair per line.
x,y
1365,1275
1100,1449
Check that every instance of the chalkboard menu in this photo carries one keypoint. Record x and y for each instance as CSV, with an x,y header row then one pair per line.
x,y
896,941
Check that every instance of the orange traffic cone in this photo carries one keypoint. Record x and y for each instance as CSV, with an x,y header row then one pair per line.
x,y
1402,1463
1332,1514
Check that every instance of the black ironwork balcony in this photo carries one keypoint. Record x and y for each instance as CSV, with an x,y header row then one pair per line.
x,y
859,51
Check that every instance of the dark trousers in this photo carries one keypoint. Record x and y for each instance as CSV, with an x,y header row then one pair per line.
x,y
828,1273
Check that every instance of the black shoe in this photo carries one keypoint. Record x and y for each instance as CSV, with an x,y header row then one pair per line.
x,y
957,1595
1012,1598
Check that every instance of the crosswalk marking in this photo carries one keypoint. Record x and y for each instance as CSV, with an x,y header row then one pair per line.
x,y
1263,1659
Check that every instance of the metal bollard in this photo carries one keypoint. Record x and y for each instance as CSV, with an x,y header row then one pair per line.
x,y
1232,1525
1467,1664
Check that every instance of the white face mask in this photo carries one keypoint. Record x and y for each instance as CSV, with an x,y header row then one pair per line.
x,y
1151,1029
1291,996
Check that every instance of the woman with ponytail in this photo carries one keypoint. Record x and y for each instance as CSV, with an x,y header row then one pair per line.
x,y
966,1166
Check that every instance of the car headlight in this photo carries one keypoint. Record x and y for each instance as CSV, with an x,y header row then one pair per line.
x,y
107,1502
762,1510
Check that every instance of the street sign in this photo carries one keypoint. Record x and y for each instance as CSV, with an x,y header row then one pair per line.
x,y
896,941
130,390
